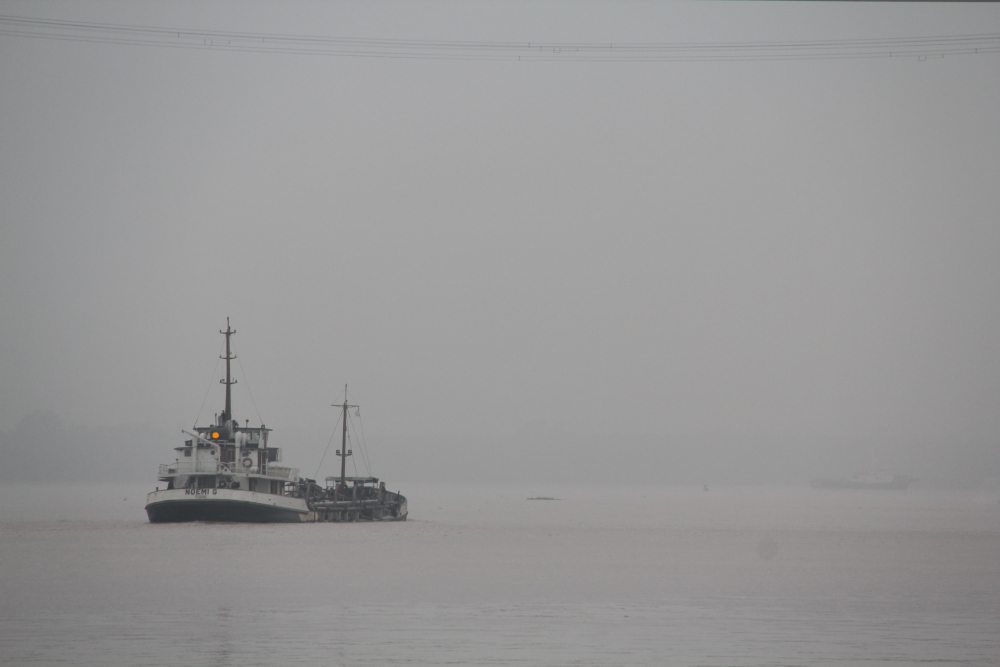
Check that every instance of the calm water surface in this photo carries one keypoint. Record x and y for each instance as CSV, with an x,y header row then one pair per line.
x,y
481,575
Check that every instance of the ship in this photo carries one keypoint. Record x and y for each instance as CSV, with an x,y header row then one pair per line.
x,y
229,472
865,480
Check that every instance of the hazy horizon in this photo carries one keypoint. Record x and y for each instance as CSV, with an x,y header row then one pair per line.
x,y
697,271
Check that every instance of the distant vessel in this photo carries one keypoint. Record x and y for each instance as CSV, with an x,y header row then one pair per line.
x,y
226,472
865,480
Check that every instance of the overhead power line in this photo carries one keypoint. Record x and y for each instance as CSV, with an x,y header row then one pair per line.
x,y
354,47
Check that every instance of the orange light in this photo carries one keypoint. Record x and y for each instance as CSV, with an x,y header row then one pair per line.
x,y
215,434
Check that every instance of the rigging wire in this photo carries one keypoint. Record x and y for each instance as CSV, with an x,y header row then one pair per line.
x,y
247,381
210,381
332,435
364,457
364,444
223,40
354,461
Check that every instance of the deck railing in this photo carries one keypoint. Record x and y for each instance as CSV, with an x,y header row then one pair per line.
x,y
217,467
191,467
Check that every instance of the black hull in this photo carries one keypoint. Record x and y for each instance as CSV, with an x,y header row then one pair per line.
x,y
220,510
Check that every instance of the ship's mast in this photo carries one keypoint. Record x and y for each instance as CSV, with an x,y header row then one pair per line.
x,y
229,381
343,446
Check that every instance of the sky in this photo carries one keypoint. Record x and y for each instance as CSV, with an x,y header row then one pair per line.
x,y
753,259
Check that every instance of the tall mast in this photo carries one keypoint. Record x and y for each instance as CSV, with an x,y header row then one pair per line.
x,y
343,446
229,382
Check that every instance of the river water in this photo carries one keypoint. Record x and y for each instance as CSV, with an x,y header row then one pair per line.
x,y
480,575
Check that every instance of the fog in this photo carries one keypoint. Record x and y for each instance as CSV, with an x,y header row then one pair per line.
x,y
690,272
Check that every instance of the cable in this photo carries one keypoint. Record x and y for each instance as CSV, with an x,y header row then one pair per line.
x,y
223,40
364,456
364,443
460,44
354,461
332,435
246,380
210,381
